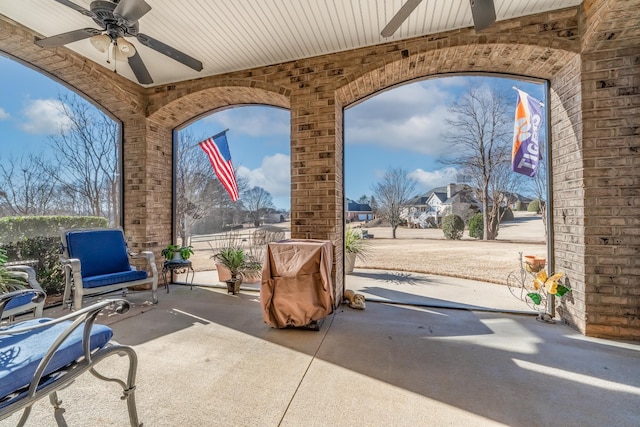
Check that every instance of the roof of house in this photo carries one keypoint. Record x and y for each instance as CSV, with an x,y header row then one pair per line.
x,y
353,206
464,196
440,192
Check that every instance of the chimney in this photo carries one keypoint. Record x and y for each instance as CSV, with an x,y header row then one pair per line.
x,y
451,190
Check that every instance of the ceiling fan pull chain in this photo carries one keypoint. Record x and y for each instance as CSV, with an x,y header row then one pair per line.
x,y
115,61
109,50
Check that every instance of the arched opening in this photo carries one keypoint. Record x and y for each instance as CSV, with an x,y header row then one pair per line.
x,y
408,165
206,217
60,167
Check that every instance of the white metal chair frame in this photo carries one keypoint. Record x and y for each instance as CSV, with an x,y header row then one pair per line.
x,y
36,304
24,399
73,275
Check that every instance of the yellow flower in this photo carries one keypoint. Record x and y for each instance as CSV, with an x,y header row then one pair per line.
x,y
540,279
551,287
550,284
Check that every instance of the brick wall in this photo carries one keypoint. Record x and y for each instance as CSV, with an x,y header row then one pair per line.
x,y
568,203
588,54
610,84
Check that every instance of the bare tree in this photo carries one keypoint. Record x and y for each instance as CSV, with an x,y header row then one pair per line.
x,y
193,176
86,154
257,200
28,186
480,131
392,194
199,193
538,186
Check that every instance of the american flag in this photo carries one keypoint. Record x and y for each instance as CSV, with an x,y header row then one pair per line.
x,y
217,150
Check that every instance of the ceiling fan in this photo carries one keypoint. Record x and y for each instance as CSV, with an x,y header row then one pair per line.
x,y
482,11
117,20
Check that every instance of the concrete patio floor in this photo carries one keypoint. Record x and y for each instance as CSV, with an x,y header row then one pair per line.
x,y
207,359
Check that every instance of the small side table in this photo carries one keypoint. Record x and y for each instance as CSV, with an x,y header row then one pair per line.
x,y
178,267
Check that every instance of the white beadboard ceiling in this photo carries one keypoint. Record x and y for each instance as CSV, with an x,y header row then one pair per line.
x,y
228,35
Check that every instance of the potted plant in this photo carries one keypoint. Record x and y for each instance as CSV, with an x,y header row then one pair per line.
x,y
355,246
10,280
177,253
238,262
186,252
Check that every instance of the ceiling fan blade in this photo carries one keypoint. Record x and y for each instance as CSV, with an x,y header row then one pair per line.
x,y
483,12
140,70
77,8
181,57
131,10
399,17
70,37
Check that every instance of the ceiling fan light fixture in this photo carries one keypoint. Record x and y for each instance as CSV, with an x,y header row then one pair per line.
x,y
125,50
101,42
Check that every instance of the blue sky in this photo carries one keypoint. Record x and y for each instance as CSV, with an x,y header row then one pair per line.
x,y
400,127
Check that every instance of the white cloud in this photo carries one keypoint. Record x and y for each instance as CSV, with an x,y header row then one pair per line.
x,y
437,178
253,121
411,117
3,114
274,175
44,116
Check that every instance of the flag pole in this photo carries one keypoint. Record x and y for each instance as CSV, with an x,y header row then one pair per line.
x,y
211,137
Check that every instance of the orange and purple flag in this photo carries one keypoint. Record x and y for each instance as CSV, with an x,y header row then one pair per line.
x,y
526,132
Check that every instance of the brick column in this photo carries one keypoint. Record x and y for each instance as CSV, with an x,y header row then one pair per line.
x,y
147,175
610,81
316,172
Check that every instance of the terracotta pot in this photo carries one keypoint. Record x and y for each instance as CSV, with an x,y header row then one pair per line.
x,y
251,277
534,263
349,262
224,273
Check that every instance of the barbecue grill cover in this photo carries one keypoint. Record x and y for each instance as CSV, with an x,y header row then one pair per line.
x,y
296,284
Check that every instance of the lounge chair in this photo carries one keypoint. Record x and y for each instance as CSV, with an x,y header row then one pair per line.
x,y
38,357
98,261
27,301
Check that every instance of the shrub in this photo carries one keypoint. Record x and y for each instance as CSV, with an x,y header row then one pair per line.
x,y
36,239
453,227
45,252
506,214
476,226
534,206
15,228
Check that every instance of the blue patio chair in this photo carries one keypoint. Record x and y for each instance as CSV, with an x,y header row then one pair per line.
x,y
98,261
30,300
38,357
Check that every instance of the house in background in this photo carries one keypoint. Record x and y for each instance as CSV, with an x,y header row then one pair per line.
x,y
355,211
518,202
429,208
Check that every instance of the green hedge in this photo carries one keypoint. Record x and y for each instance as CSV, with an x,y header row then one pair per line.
x,y
16,228
45,252
37,239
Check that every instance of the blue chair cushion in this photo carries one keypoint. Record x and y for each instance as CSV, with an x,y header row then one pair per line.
x,y
20,354
99,251
113,278
18,301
